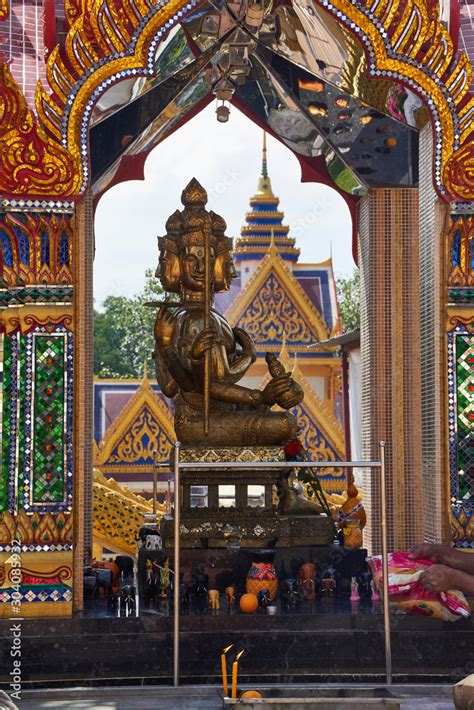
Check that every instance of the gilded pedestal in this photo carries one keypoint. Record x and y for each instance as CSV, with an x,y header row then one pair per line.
x,y
241,525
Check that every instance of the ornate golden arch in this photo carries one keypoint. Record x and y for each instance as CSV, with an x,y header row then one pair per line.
x,y
109,40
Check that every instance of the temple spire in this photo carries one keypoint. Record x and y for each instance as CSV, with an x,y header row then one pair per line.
x,y
264,230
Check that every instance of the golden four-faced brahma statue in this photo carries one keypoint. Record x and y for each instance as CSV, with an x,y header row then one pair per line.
x,y
199,357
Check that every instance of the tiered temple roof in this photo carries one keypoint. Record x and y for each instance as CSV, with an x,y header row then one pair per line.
x,y
265,223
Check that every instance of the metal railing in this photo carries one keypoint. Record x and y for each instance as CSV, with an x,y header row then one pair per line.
x,y
182,465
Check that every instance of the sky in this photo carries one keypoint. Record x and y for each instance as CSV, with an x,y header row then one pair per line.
x,y
226,158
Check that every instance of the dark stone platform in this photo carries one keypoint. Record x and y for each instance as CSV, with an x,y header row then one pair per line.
x,y
321,642
328,640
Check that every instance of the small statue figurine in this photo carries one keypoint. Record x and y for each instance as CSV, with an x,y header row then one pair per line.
x,y
375,596
307,581
352,510
365,588
150,590
199,589
263,597
291,499
355,597
230,597
213,599
199,357
328,583
289,593
165,578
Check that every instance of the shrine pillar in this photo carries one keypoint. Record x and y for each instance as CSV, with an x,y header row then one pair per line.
x,y
390,361
83,392
36,407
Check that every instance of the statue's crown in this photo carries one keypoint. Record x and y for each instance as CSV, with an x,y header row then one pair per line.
x,y
186,228
194,194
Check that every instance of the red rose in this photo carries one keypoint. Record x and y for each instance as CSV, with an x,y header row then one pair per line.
x,y
293,448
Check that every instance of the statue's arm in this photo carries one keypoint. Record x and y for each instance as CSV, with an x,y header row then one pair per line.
x,y
167,384
174,374
181,376
236,394
243,359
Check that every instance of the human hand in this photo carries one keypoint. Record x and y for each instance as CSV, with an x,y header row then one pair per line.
x,y
203,342
436,553
438,578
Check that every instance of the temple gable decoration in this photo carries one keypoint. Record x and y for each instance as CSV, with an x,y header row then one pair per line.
x,y
275,307
144,426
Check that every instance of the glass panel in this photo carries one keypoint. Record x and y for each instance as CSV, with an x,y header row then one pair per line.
x,y
256,496
199,497
226,496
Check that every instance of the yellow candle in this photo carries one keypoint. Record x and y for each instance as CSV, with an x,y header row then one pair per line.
x,y
235,671
225,683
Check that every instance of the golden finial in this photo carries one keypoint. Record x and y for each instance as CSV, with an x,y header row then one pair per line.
x,y
194,194
264,159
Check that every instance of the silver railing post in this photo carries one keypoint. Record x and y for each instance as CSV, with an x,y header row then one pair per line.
x,y
386,607
176,595
155,467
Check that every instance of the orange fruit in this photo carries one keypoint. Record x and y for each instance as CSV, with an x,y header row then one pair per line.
x,y
251,694
249,603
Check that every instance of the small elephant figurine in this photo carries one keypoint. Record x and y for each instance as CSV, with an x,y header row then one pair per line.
x,y
263,597
307,581
184,596
127,600
289,593
153,542
329,583
364,580
230,597
199,589
213,599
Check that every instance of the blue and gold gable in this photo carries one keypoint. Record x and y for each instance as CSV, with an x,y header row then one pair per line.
x,y
274,308
142,433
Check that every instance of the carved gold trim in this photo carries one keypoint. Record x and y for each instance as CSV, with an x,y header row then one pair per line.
x,y
31,315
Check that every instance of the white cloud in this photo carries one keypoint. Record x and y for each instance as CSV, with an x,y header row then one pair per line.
x,y
226,159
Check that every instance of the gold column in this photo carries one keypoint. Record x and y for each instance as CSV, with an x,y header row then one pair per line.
x,y
390,358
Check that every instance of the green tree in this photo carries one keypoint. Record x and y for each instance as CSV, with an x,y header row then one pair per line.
x,y
348,296
123,332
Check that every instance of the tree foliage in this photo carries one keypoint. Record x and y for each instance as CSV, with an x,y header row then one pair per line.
x,y
348,295
123,332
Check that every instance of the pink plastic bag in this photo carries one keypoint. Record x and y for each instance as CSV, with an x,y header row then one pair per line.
x,y
408,595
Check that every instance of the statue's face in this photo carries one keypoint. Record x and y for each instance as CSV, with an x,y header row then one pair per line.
x,y
224,271
168,270
192,260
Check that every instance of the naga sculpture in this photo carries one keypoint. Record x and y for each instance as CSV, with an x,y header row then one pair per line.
x,y
199,357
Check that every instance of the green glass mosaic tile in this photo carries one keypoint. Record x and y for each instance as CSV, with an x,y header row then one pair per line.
x,y
48,424
5,448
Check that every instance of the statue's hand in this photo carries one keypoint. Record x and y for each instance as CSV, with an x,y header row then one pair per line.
x,y
274,390
292,396
246,343
164,327
283,391
203,342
